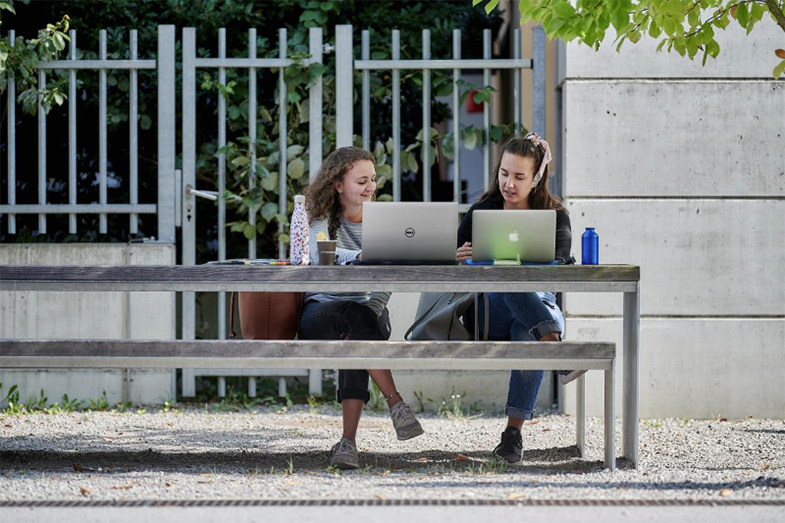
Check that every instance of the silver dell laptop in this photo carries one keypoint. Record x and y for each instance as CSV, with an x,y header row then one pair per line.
x,y
409,233
505,235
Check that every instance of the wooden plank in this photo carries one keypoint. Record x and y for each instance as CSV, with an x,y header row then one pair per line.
x,y
599,278
286,349
353,354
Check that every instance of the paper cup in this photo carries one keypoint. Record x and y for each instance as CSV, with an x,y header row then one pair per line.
x,y
326,252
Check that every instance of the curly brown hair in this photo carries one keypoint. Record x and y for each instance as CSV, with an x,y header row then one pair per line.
x,y
540,197
321,198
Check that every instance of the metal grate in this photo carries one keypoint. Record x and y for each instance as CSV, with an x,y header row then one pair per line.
x,y
400,503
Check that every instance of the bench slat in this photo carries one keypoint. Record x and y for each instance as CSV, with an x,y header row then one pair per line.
x,y
353,354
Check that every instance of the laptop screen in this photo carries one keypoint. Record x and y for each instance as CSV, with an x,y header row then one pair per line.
x,y
507,234
410,231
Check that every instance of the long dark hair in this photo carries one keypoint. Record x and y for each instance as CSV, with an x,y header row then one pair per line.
x,y
540,197
321,198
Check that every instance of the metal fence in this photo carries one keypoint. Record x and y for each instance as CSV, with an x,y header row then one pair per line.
x,y
177,191
346,67
165,207
252,64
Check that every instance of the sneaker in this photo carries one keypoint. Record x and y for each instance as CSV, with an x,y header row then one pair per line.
x,y
566,376
511,447
344,455
406,425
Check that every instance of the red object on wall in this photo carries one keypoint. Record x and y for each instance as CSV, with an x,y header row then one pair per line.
x,y
471,105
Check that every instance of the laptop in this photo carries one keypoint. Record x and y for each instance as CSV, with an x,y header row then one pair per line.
x,y
409,233
507,234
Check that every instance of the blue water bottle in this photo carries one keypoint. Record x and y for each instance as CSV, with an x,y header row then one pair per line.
x,y
591,247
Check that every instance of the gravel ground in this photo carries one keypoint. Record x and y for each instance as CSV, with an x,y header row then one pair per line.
x,y
192,453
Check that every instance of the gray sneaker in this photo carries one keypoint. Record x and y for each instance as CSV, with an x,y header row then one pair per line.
x,y
566,376
406,425
344,455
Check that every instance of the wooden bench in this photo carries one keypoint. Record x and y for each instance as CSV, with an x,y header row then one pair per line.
x,y
354,354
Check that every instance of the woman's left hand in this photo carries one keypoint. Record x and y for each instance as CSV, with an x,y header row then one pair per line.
x,y
464,252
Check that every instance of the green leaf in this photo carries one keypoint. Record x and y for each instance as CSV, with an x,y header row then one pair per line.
x,y
249,231
294,97
9,7
240,161
296,168
620,18
234,112
269,210
384,198
270,183
490,6
742,15
389,145
265,114
378,151
562,9
145,122
713,48
469,140
293,151
384,172
778,70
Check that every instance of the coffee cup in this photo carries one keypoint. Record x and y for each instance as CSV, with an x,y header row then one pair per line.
x,y
326,252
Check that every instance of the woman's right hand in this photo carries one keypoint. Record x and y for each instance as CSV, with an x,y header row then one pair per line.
x,y
464,252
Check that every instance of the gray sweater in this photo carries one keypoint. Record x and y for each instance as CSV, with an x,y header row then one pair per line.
x,y
347,248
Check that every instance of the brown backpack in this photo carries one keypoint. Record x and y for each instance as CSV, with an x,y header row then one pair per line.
x,y
267,315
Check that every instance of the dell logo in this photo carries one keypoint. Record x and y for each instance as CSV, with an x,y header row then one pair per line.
x,y
409,232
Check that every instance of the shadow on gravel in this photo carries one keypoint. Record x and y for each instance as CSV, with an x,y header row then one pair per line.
x,y
561,460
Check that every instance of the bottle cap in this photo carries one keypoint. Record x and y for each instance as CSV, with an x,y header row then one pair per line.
x,y
299,199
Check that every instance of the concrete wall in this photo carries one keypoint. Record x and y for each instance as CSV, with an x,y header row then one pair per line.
x,y
681,169
73,315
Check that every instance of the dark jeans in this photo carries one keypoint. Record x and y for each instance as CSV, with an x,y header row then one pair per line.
x,y
341,319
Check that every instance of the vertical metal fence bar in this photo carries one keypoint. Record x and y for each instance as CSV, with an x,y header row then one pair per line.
x,y
166,133
486,113
366,55
102,221
41,153
282,139
72,190
538,80
188,321
396,116
516,53
456,118
11,128
133,133
221,181
315,105
252,135
426,118
344,86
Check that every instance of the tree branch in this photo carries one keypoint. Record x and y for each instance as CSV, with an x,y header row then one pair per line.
x,y
776,11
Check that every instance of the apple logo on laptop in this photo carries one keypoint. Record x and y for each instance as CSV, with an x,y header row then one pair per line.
x,y
409,232
514,236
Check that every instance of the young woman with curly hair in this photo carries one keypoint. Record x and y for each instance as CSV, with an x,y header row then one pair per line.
x,y
334,200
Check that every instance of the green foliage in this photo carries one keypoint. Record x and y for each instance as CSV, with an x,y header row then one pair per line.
x,y
18,62
253,169
686,26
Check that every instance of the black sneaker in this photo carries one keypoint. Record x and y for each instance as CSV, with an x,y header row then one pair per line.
x,y
511,447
